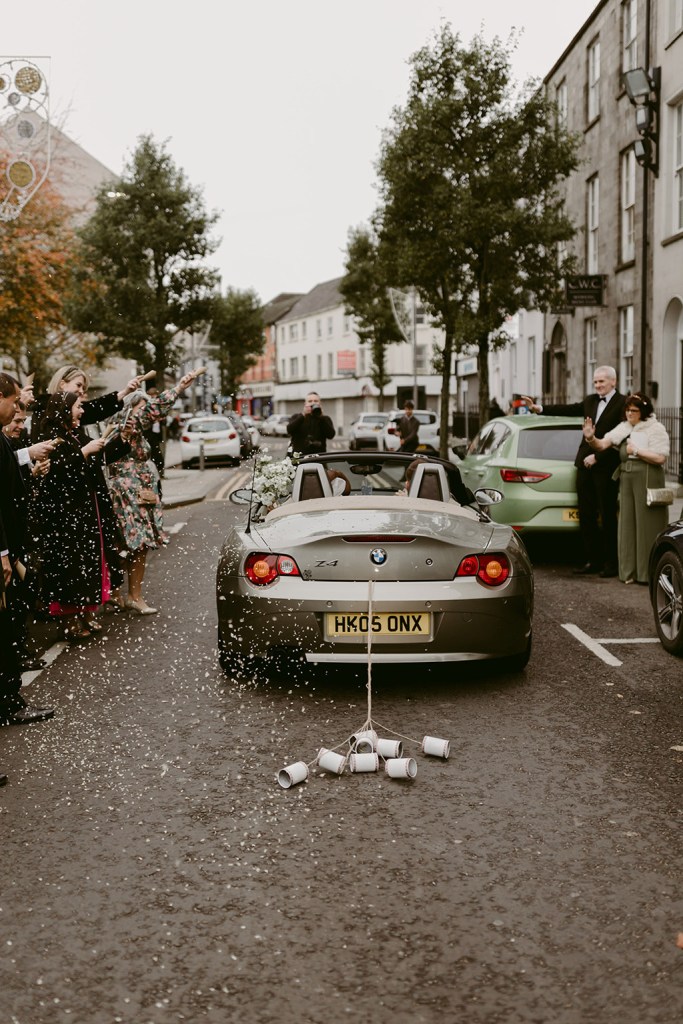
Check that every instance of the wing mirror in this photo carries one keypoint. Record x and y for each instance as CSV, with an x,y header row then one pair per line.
x,y
242,496
488,496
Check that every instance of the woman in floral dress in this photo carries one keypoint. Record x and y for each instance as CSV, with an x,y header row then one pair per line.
x,y
135,486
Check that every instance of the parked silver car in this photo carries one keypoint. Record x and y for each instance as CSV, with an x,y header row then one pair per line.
x,y
366,430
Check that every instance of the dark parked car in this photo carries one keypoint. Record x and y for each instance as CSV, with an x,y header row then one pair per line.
x,y
666,586
246,444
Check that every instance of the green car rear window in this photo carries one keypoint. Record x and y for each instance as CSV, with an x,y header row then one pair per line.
x,y
549,443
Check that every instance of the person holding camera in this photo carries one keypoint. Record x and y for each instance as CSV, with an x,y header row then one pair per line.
x,y
310,430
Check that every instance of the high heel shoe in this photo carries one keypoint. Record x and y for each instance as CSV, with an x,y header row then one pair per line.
x,y
76,632
140,607
91,623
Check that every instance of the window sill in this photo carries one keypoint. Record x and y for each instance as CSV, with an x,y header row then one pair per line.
x,y
674,37
672,238
626,265
591,124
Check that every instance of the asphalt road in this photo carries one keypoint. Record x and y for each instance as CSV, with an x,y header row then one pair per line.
x,y
156,872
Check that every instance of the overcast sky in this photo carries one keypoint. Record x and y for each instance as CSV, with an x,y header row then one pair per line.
x,y
274,108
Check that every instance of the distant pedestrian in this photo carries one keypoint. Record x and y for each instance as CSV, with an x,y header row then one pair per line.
x,y
409,428
311,429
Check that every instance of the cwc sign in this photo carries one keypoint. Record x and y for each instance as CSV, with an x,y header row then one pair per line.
x,y
586,290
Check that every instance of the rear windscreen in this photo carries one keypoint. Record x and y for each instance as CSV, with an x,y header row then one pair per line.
x,y
549,443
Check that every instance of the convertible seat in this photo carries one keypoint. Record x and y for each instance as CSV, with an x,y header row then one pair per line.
x,y
310,481
429,482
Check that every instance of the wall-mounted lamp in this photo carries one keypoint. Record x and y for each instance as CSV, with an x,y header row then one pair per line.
x,y
643,89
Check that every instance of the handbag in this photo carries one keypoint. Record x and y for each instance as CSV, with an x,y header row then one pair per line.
x,y
655,496
147,496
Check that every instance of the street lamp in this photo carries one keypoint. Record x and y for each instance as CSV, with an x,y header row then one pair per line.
x,y
643,90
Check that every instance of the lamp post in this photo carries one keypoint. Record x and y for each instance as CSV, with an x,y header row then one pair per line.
x,y
643,90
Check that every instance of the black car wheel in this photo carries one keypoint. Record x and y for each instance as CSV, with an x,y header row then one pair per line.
x,y
667,602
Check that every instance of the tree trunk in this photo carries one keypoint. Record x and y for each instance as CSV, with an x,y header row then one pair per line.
x,y
483,372
444,425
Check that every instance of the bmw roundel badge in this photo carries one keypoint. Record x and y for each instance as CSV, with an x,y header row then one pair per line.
x,y
378,556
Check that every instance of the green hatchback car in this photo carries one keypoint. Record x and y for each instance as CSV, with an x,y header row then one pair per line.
x,y
531,460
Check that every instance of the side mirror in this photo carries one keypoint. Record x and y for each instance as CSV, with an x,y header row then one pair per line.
x,y
242,496
488,496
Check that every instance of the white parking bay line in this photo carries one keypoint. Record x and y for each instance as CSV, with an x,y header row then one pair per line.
x,y
597,646
49,656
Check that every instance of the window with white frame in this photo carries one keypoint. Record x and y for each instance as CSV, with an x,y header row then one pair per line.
x,y
347,324
294,366
303,328
592,225
362,360
318,367
591,334
283,334
562,103
283,368
330,364
629,35
304,366
531,363
678,168
330,326
318,328
628,206
513,364
293,332
593,80
676,16
626,348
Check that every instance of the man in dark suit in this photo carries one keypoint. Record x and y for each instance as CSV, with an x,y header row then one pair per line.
x,y
596,490
13,498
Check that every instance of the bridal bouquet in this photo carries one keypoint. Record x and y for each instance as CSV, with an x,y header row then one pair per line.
x,y
272,481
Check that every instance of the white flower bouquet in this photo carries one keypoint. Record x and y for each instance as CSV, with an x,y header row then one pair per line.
x,y
272,481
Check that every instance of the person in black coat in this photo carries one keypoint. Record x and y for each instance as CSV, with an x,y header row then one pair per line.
x,y
597,492
68,521
14,710
71,379
409,429
311,429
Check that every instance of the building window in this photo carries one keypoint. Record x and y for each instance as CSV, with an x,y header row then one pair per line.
x,y
294,366
593,224
361,361
626,348
347,324
293,332
319,365
283,369
561,100
676,16
593,80
303,329
330,364
304,366
283,335
591,330
318,328
629,35
330,326
628,205
531,364
678,168
513,364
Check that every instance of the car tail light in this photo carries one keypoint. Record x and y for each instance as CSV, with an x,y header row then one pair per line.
x,y
491,570
232,435
392,430
262,568
523,476
185,437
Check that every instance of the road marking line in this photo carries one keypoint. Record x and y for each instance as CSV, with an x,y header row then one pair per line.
x,y
176,528
233,484
597,646
50,655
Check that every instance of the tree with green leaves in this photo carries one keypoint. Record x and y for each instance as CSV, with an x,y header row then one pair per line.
x,y
142,277
471,212
237,335
365,291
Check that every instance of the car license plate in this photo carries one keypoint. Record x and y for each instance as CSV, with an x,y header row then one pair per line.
x,y
210,440
570,515
383,625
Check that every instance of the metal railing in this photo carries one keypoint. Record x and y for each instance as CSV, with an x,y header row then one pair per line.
x,y
672,419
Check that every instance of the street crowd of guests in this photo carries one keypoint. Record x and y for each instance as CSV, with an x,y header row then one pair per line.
x,y
78,514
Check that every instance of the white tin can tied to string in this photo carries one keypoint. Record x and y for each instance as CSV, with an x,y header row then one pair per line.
x,y
401,767
331,761
389,748
364,762
436,747
364,742
293,774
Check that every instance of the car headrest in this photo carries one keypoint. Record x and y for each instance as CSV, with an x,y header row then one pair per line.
x,y
310,481
429,482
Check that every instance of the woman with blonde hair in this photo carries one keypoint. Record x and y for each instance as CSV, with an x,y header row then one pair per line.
x,y
72,379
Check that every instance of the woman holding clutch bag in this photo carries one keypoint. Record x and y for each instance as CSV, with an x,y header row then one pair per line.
x,y
643,449
134,486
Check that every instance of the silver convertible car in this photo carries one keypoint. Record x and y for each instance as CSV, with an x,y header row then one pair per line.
x,y
379,548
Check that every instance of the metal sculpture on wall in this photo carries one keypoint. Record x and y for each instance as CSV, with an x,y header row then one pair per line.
x,y
24,133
